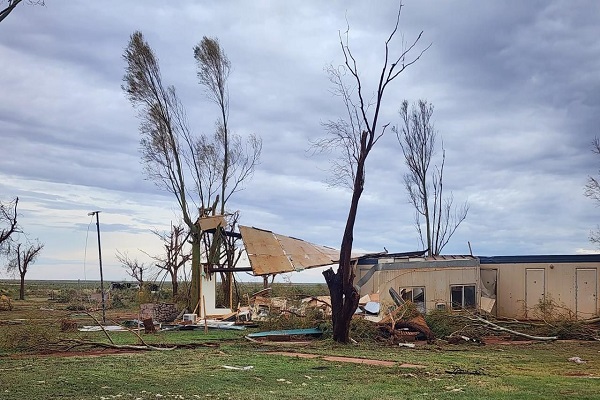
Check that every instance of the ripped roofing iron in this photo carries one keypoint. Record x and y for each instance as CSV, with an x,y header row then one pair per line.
x,y
271,253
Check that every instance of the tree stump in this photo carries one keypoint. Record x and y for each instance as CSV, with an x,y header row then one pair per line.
x,y
149,326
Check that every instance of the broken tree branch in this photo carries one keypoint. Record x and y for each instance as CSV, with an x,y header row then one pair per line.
x,y
100,325
81,342
499,328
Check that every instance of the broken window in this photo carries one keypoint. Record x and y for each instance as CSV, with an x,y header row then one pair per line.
x,y
415,295
462,296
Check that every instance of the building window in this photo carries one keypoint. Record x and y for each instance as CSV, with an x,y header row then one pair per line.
x,y
462,296
415,295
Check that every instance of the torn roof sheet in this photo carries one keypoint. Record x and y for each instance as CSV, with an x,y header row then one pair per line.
x,y
271,253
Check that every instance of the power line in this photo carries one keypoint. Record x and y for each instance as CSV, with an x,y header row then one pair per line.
x,y
85,249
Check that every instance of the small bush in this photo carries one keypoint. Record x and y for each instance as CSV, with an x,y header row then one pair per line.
x,y
363,330
118,301
443,323
285,320
28,337
68,325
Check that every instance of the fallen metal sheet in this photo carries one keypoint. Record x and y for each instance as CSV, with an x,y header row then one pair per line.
x,y
212,324
372,307
271,253
96,328
288,332
396,297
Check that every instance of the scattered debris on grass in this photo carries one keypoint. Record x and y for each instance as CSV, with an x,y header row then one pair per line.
x,y
246,368
353,360
461,371
286,334
409,345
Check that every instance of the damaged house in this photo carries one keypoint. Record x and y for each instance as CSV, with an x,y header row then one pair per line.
x,y
504,286
523,283
521,287
268,253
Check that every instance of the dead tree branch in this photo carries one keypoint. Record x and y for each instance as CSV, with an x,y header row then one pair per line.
x,y
499,328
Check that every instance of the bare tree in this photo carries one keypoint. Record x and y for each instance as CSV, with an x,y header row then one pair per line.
x,y
12,4
21,256
175,255
133,267
174,158
8,221
592,190
355,135
417,137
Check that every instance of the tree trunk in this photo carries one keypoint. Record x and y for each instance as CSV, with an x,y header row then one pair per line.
x,y
344,296
196,272
427,216
343,305
174,284
22,288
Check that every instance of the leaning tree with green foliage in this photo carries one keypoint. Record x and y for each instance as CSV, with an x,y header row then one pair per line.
x,y
354,137
201,171
234,162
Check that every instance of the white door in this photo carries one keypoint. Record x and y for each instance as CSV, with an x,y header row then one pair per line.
x,y
586,293
534,289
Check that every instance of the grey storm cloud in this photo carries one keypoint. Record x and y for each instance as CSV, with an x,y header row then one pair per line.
x,y
515,87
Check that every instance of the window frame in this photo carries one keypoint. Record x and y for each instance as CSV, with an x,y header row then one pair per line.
x,y
421,305
462,306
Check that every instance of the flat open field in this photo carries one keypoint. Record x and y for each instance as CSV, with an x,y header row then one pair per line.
x,y
224,365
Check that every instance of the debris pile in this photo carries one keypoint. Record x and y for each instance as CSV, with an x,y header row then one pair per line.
x,y
261,306
5,303
404,324
160,312
321,304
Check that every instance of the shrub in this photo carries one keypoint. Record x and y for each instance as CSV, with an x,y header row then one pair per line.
x,y
118,301
443,322
363,330
36,337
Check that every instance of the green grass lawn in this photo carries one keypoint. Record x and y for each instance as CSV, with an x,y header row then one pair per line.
x,y
532,371
466,371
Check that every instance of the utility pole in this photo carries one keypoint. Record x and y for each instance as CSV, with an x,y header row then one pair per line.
x,y
100,259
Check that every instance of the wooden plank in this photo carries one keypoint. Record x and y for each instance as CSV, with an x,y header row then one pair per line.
x,y
212,222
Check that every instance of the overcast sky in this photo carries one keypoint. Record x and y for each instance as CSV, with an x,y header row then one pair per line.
x,y
515,85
